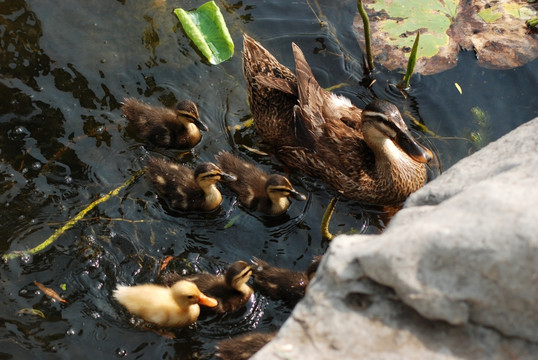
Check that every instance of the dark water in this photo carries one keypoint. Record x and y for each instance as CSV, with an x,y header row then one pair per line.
x,y
65,67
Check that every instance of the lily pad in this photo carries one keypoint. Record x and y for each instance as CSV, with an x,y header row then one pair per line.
x,y
206,27
496,33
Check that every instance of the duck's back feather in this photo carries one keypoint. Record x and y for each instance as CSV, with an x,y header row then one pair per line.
x,y
176,184
251,180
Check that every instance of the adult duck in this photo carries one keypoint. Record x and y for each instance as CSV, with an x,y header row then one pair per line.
x,y
177,128
367,155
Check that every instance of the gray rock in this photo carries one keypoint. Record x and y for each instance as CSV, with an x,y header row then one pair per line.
x,y
454,275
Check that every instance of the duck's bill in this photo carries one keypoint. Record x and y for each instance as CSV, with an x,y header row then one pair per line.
x,y
417,152
297,195
227,177
200,125
207,301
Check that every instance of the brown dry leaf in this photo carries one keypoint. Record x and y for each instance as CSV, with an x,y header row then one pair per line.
x,y
500,41
165,262
49,292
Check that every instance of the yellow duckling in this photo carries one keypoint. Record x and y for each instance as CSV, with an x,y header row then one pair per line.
x,y
174,306
367,155
256,189
230,290
283,284
186,189
178,128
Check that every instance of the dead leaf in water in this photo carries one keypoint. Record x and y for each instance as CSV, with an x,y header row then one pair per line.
x,y
165,262
495,32
49,292
29,311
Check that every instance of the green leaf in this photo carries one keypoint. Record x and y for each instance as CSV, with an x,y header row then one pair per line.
x,y
431,17
205,26
489,15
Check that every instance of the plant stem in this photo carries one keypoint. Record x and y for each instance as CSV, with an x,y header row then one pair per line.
x,y
325,233
51,239
404,84
367,38
532,22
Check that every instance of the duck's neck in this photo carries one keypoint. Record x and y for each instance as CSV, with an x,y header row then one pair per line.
x,y
279,205
244,289
392,163
191,130
213,197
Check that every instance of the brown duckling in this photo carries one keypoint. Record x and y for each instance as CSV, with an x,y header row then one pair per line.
x,y
178,128
186,189
256,189
283,284
230,290
367,155
242,347
174,306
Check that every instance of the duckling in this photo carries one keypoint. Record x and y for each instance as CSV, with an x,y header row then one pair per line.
x,y
283,284
367,155
186,189
242,347
178,128
256,189
230,290
175,306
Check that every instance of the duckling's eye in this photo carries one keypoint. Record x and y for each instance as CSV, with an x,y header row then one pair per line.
x,y
190,297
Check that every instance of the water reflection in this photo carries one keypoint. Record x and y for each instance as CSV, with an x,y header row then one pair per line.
x,y
64,69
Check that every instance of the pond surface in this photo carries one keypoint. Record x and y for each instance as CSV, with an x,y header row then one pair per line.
x,y
65,68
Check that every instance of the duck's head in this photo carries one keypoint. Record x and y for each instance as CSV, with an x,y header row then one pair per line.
x,y
188,111
278,187
238,274
207,174
186,293
382,121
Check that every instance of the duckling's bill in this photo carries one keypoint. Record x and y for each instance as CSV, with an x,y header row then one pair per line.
x,y
200,125
297,195
225,177
207,301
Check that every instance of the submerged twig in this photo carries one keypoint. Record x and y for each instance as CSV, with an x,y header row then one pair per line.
x,y
325,233
51,239
367,37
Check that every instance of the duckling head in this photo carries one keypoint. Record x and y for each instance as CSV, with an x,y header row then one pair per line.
x,y
207,174
186,293
237,276
384,130
188,111
278,187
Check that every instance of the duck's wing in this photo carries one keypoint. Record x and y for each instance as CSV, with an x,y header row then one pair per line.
x,y
271,94
344,172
